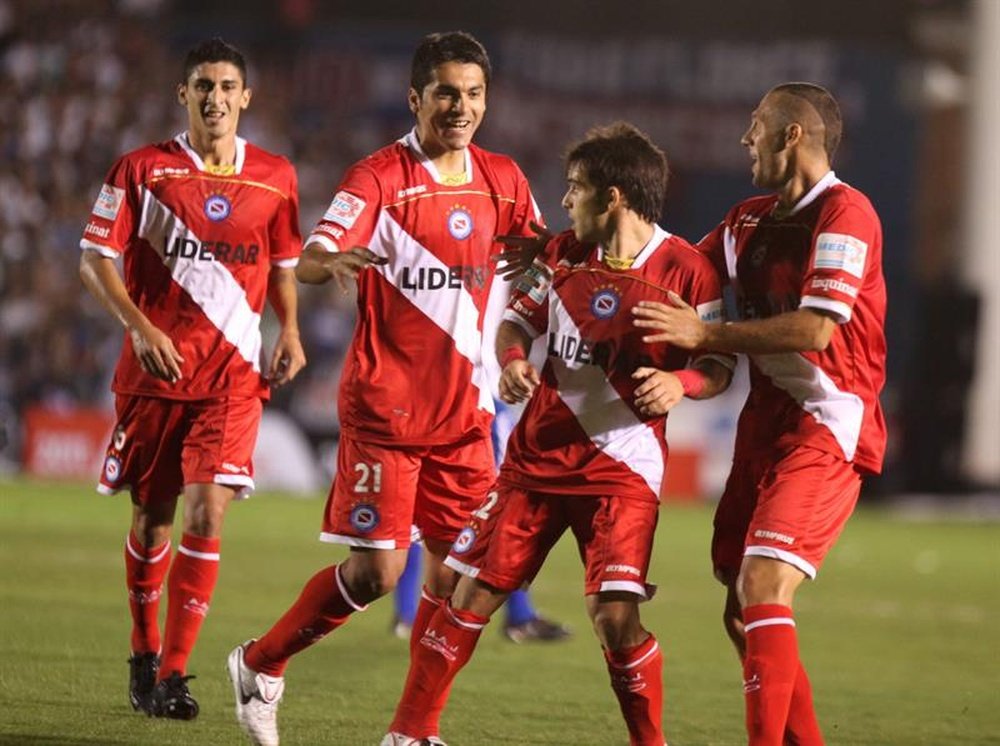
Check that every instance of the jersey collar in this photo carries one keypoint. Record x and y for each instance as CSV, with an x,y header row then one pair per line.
x,y
411,141
828,180
185,143
658,237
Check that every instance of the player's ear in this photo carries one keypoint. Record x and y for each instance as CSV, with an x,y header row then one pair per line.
x,y
245,98
413,99
793,134
614,198
182,94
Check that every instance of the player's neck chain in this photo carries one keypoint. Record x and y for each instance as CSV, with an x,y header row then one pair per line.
x,y
458,179
227,169
614,262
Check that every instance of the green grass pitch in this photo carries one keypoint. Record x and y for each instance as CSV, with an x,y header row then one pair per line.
x,y
900,634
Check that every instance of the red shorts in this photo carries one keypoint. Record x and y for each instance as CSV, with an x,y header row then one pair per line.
x,y
512,530
160,445
792,509
380,492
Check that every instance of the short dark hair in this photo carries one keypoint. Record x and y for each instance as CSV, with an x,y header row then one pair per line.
x,y
825,105
448,46
620,155
214,50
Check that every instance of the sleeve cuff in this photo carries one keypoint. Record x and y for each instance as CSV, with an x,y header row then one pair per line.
x,y
515,318
110,253
328,244
288,263
841,310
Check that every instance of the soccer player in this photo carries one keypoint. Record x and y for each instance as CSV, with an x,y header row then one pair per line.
x,y
207,225
589,452
806,266
415,403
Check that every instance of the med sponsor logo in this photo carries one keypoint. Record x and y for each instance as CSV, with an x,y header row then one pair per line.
x,y
710,312
109,202
840,251
345,209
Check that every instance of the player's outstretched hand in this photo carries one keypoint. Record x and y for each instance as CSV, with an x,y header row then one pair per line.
x,y
678,324
521,251
287,359
347,265
659,391
156,352
518,381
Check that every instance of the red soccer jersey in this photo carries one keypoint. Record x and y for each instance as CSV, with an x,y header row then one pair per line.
x,y
826,254
418,369
581,432
197,251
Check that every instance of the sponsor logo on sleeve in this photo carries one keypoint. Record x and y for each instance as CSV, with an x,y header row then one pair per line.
x,y
109,202
710,312
344,209
839,251
828,284
97,230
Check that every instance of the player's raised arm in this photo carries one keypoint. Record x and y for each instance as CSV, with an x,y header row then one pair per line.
x,y
153,348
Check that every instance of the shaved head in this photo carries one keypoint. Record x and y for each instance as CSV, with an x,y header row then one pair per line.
x,y
814,108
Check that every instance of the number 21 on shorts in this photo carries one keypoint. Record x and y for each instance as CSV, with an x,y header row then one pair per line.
x,y
370,479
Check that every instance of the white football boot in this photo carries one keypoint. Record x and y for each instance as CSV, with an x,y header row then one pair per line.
x,y
257,698
398,739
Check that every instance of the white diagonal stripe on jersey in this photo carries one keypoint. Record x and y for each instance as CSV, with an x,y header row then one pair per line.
x,y
609,422
211,286
839,411
452,309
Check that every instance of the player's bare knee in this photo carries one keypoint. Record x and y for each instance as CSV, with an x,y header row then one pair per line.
x,y
617,625
763,581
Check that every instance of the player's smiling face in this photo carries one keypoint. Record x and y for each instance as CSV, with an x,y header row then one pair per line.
x,y
588,209
765,142
214,95
450,108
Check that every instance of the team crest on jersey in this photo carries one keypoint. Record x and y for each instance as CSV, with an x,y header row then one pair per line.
x,y
364,518
463,543
112,469
217,208
605,302
459,223
118,439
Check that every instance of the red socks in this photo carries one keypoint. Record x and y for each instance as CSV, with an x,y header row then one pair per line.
x,y
770,672
429,603
323,605
189,589
444,648
637,680
145,569
802,728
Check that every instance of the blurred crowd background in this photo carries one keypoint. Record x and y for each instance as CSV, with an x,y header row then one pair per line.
x,y
83,81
